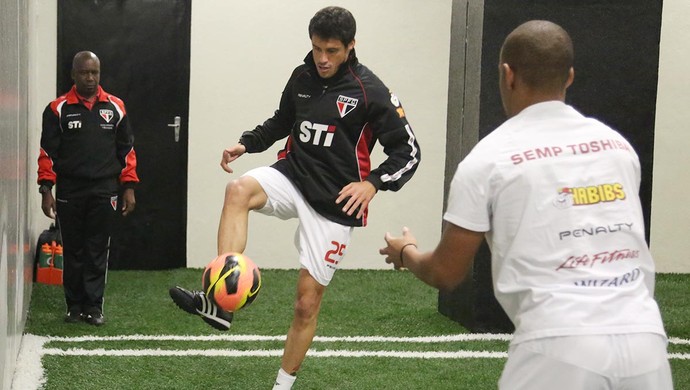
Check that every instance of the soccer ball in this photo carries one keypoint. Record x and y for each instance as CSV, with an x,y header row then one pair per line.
x,y
232,281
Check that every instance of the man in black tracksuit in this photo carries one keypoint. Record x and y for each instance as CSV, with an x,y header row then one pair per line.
x,y
333,111
87,149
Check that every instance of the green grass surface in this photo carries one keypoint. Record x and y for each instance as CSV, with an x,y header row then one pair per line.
x,y
358,303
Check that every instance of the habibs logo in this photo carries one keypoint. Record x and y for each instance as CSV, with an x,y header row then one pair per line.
x,y
584,196
346,105
316,133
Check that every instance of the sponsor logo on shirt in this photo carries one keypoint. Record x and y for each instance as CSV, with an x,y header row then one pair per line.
x,y
597,259
396,103
551,151
346,105
316,133
595,230
617,281
589,195
106,114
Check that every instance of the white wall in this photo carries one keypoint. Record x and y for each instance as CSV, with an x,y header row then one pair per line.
x,y
242,55
42,82
670,220
239,66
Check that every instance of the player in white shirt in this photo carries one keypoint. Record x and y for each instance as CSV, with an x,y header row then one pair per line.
x,y
556,195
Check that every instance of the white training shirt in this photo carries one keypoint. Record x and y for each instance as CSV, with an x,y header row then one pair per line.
x,y
558,195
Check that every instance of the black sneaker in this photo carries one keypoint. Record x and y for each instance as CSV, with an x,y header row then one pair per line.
x,y
73,316
196,302
95,319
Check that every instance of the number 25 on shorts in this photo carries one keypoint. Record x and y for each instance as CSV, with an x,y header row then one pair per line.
x,y
337,250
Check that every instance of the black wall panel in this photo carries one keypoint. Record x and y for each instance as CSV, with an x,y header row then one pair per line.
x,y
616,61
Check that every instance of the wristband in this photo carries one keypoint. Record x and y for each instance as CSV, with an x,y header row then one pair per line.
x,y
403,249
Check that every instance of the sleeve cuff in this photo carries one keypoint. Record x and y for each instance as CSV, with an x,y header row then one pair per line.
x,y
129,185
375,181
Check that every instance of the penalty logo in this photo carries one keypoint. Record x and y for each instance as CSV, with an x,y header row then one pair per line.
x,y
346,105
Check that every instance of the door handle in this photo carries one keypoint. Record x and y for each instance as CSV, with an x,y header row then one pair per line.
x,y
176,126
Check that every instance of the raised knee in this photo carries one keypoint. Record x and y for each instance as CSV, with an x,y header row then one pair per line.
x,y
244,192
237,192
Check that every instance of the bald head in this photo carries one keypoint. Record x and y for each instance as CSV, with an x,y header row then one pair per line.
x,y
540,53
86,73
82,57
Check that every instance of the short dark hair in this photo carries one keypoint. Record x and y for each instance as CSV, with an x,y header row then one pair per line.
x,y
540,53
333,23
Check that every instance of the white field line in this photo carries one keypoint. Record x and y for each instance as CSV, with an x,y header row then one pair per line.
x,y
29,374
274,352
676,340
354,339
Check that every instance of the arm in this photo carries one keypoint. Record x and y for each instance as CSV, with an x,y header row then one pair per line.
x,y
50,143
387,119
275,128
231,154
265,135
128,159
444,267
48,204
400,145
259,139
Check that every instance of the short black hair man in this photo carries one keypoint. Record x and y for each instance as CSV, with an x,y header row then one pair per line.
x,y
333,111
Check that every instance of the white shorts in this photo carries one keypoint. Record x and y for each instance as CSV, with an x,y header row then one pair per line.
x,y
636,361
321,243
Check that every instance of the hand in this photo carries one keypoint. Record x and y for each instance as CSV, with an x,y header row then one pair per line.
x,y
48,205
395,246
360,194
231,154
128,201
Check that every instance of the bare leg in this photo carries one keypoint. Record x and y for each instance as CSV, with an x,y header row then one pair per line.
x,y
241,195
303,328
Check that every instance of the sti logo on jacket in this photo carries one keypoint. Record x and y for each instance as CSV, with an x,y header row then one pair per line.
x,y
312,132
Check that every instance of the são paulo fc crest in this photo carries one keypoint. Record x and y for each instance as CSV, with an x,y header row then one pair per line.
x,y
346,105
106,114
113,202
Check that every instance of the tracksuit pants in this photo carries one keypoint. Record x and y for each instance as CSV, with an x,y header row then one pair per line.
x,y
86,225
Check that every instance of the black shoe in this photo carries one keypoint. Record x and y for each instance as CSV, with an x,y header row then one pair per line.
x,y
95,319
196,302
73,316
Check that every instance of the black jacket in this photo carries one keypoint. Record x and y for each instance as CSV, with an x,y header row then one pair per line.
x,y
332,126
87,151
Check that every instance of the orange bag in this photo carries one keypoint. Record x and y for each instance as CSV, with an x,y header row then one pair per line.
x,y
49,260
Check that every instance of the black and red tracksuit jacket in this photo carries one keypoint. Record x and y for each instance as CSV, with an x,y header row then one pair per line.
x,y
331,127
87,151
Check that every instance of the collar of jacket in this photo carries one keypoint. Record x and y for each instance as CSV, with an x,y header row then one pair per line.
x,y
350,63
73,97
